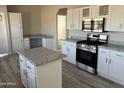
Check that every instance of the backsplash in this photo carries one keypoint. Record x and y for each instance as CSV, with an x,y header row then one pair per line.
x,y
114,37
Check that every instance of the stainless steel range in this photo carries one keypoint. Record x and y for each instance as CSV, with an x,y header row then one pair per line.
x,y
86,54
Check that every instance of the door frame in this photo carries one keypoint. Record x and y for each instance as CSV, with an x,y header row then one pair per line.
x,y
57,29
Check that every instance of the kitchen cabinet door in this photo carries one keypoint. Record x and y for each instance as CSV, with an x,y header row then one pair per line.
x,y
86,12
103,11
48,43
95,11
103,59
64,47
70,19
31,80
116,70
117,18
65,50
72,53
76,19
23,71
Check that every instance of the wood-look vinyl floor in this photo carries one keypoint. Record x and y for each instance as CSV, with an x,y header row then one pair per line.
x,y
72,77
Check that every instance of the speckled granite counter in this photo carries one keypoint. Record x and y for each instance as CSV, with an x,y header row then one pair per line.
x,y
72,40
41,55
38,35
113,47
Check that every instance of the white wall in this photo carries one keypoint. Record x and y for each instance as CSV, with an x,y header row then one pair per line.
x,y
7,43
31,17
49,19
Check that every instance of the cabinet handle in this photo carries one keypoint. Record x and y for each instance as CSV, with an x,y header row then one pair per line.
x,y
106,60
103,52
25,73
119,55
28,67
110,61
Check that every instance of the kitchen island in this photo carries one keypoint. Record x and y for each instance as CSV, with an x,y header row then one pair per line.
x,y
40,68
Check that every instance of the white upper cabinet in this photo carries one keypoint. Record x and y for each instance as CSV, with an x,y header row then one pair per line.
x,y
99,11
69,19
86,12
73,19
113,14
95,11
117,18
103,11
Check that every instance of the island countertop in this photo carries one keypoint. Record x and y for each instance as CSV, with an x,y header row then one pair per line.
x,y
40,56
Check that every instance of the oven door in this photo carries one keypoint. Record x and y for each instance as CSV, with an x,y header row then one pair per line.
x,y
86,58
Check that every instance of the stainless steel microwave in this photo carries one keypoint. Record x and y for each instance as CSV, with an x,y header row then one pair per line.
x,y
93,25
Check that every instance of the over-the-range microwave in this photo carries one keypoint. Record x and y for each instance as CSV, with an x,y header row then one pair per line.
x,y
93,25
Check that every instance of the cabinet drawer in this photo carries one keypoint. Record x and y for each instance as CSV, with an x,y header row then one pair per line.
x,y
117,54
103,51
30,67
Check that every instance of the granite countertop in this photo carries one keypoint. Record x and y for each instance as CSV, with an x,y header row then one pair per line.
x,y
40,56
113,47
38,36
72,40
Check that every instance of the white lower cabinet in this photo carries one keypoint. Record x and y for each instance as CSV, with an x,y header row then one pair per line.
x,y
26,43
31,80
111,65
43,76
69,49
48,43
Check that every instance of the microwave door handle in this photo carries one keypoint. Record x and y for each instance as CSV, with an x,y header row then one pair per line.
x,y
92,25
82,25
103,25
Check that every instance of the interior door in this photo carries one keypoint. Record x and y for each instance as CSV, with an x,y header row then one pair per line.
x,y
3,35
16,31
